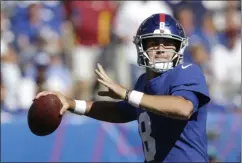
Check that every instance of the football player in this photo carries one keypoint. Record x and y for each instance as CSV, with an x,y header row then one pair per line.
x,y
169,100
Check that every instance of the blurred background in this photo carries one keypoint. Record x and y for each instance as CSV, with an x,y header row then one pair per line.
x,y
55,45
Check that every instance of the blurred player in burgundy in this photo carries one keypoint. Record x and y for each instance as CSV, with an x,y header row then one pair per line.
x,y
91,21
169,100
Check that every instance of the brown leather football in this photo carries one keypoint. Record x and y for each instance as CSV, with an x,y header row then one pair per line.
x,y
44,115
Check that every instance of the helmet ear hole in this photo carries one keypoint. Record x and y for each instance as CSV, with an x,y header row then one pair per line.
x,y
144,43
178,45
142,60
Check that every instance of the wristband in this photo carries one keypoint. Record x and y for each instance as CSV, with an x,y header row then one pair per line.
x,y
135,98
81,107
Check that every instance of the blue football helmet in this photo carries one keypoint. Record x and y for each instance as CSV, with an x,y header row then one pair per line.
x,y
161,26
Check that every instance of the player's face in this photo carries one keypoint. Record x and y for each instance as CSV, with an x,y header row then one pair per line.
x,y
160,50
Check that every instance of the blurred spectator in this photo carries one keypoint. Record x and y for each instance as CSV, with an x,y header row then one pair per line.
x,y
58,77
32,21
208,37
47,73
226,64
31,18
208,32
219,11
42,61
91,22
109,60
199,54
129,16
195,52
34,79
9,65
185,17
27,23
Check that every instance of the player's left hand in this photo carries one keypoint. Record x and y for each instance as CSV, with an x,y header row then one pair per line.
x,y
115,90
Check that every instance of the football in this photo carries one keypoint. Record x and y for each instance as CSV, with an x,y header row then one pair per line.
x,y
44,115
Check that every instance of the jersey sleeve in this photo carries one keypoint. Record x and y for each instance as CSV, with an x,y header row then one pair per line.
x,y
127,109
188,95
190,78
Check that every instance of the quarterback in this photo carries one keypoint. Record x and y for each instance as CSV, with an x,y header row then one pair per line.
x,y
169,100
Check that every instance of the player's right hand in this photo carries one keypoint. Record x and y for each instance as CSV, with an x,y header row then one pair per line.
x,y
66,103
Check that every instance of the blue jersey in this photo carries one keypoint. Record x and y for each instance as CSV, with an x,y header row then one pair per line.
x,y
172,140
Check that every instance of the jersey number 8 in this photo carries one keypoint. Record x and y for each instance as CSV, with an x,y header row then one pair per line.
x,y
147,139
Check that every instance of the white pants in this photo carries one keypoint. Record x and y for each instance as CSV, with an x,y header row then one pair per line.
x,y
84,62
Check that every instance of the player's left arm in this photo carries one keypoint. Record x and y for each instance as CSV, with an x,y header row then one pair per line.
x,y
188,93
173,106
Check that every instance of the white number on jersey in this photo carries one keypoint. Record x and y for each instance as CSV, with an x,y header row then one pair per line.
x,y
148,141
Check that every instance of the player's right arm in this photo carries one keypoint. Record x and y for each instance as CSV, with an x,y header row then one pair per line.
x,y
109,111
